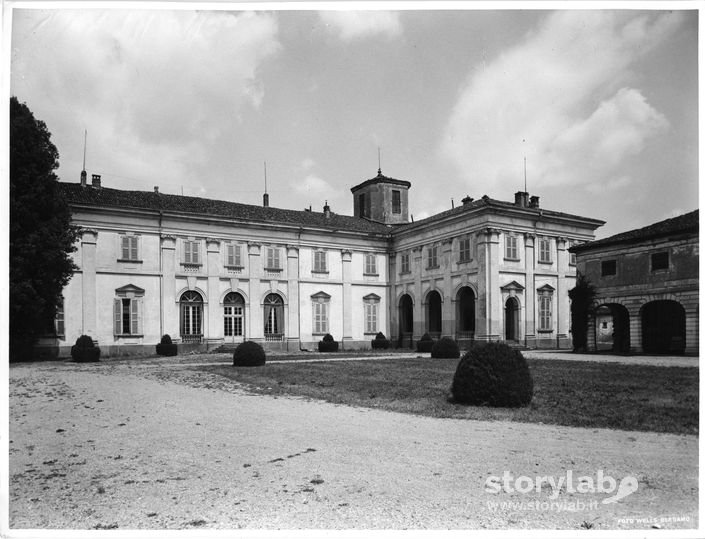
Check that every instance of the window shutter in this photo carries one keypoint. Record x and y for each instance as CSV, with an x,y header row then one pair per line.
x,y
231,255
125,247
194,253
187,251
135,317
117,311
133,248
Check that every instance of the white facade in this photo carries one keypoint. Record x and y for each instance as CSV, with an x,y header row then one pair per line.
x,y
152,264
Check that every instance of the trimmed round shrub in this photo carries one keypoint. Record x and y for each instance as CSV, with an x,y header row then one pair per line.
x,y
166,347
249,354
84,350
328,344
425,344
380,342
445,348
493,374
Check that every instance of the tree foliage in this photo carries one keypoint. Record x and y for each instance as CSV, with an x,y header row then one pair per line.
x,y
41,235
581,297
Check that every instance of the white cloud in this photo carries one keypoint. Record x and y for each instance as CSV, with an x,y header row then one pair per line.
x,y
308,163
313,185
350,25
157,90
560,99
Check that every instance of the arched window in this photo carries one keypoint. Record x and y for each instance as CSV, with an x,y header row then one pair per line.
x,y
434,314
465,313
191,304
233,315
273,318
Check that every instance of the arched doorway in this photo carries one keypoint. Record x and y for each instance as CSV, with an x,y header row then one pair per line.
x,y
663,327
511,319
612,328
434,314
465,313
191,311
233,317
406,320
273,318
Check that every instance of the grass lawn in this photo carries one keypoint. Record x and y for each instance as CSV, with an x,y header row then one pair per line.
x,y
574,393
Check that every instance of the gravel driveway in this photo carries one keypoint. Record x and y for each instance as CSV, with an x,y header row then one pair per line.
x,y
113,445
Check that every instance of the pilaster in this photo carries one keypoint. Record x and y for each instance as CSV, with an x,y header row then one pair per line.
x,y
170,311
292,258
346,261
89,239
530,290
256,313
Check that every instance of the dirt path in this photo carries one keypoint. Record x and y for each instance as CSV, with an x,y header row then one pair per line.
x,y
97,446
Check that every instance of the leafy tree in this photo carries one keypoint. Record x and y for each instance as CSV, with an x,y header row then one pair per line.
x,y
581,297
41,235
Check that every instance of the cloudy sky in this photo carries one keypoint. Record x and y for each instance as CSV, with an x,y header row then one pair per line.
x,y
601,103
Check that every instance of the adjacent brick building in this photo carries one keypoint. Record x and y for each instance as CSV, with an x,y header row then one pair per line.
x,y
647,288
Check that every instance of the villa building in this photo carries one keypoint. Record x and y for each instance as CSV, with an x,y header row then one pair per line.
x,y
209,272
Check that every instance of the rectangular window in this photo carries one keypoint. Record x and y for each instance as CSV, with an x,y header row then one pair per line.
x,y
273,262
405,265
320,317
234,255
545,318
510,248
371,317
659,261
361,200
128,316
320,264
59,320
129,247
545,250
433,257
465,253
573,258
396,201
609,267
192,252
370,264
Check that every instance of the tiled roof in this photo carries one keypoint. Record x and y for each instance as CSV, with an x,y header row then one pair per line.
x,y
488,202
676,225
149,200
381,178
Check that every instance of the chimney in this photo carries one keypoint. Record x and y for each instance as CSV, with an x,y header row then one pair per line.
x,y
521,198
83,178
156,188
534,202
326,210
467,200
96,181
265,200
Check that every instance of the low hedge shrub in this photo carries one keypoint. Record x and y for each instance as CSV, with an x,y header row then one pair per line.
x,y
380,342
445,347
249,354
425,344
166,347
493,374
328,344
85,350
